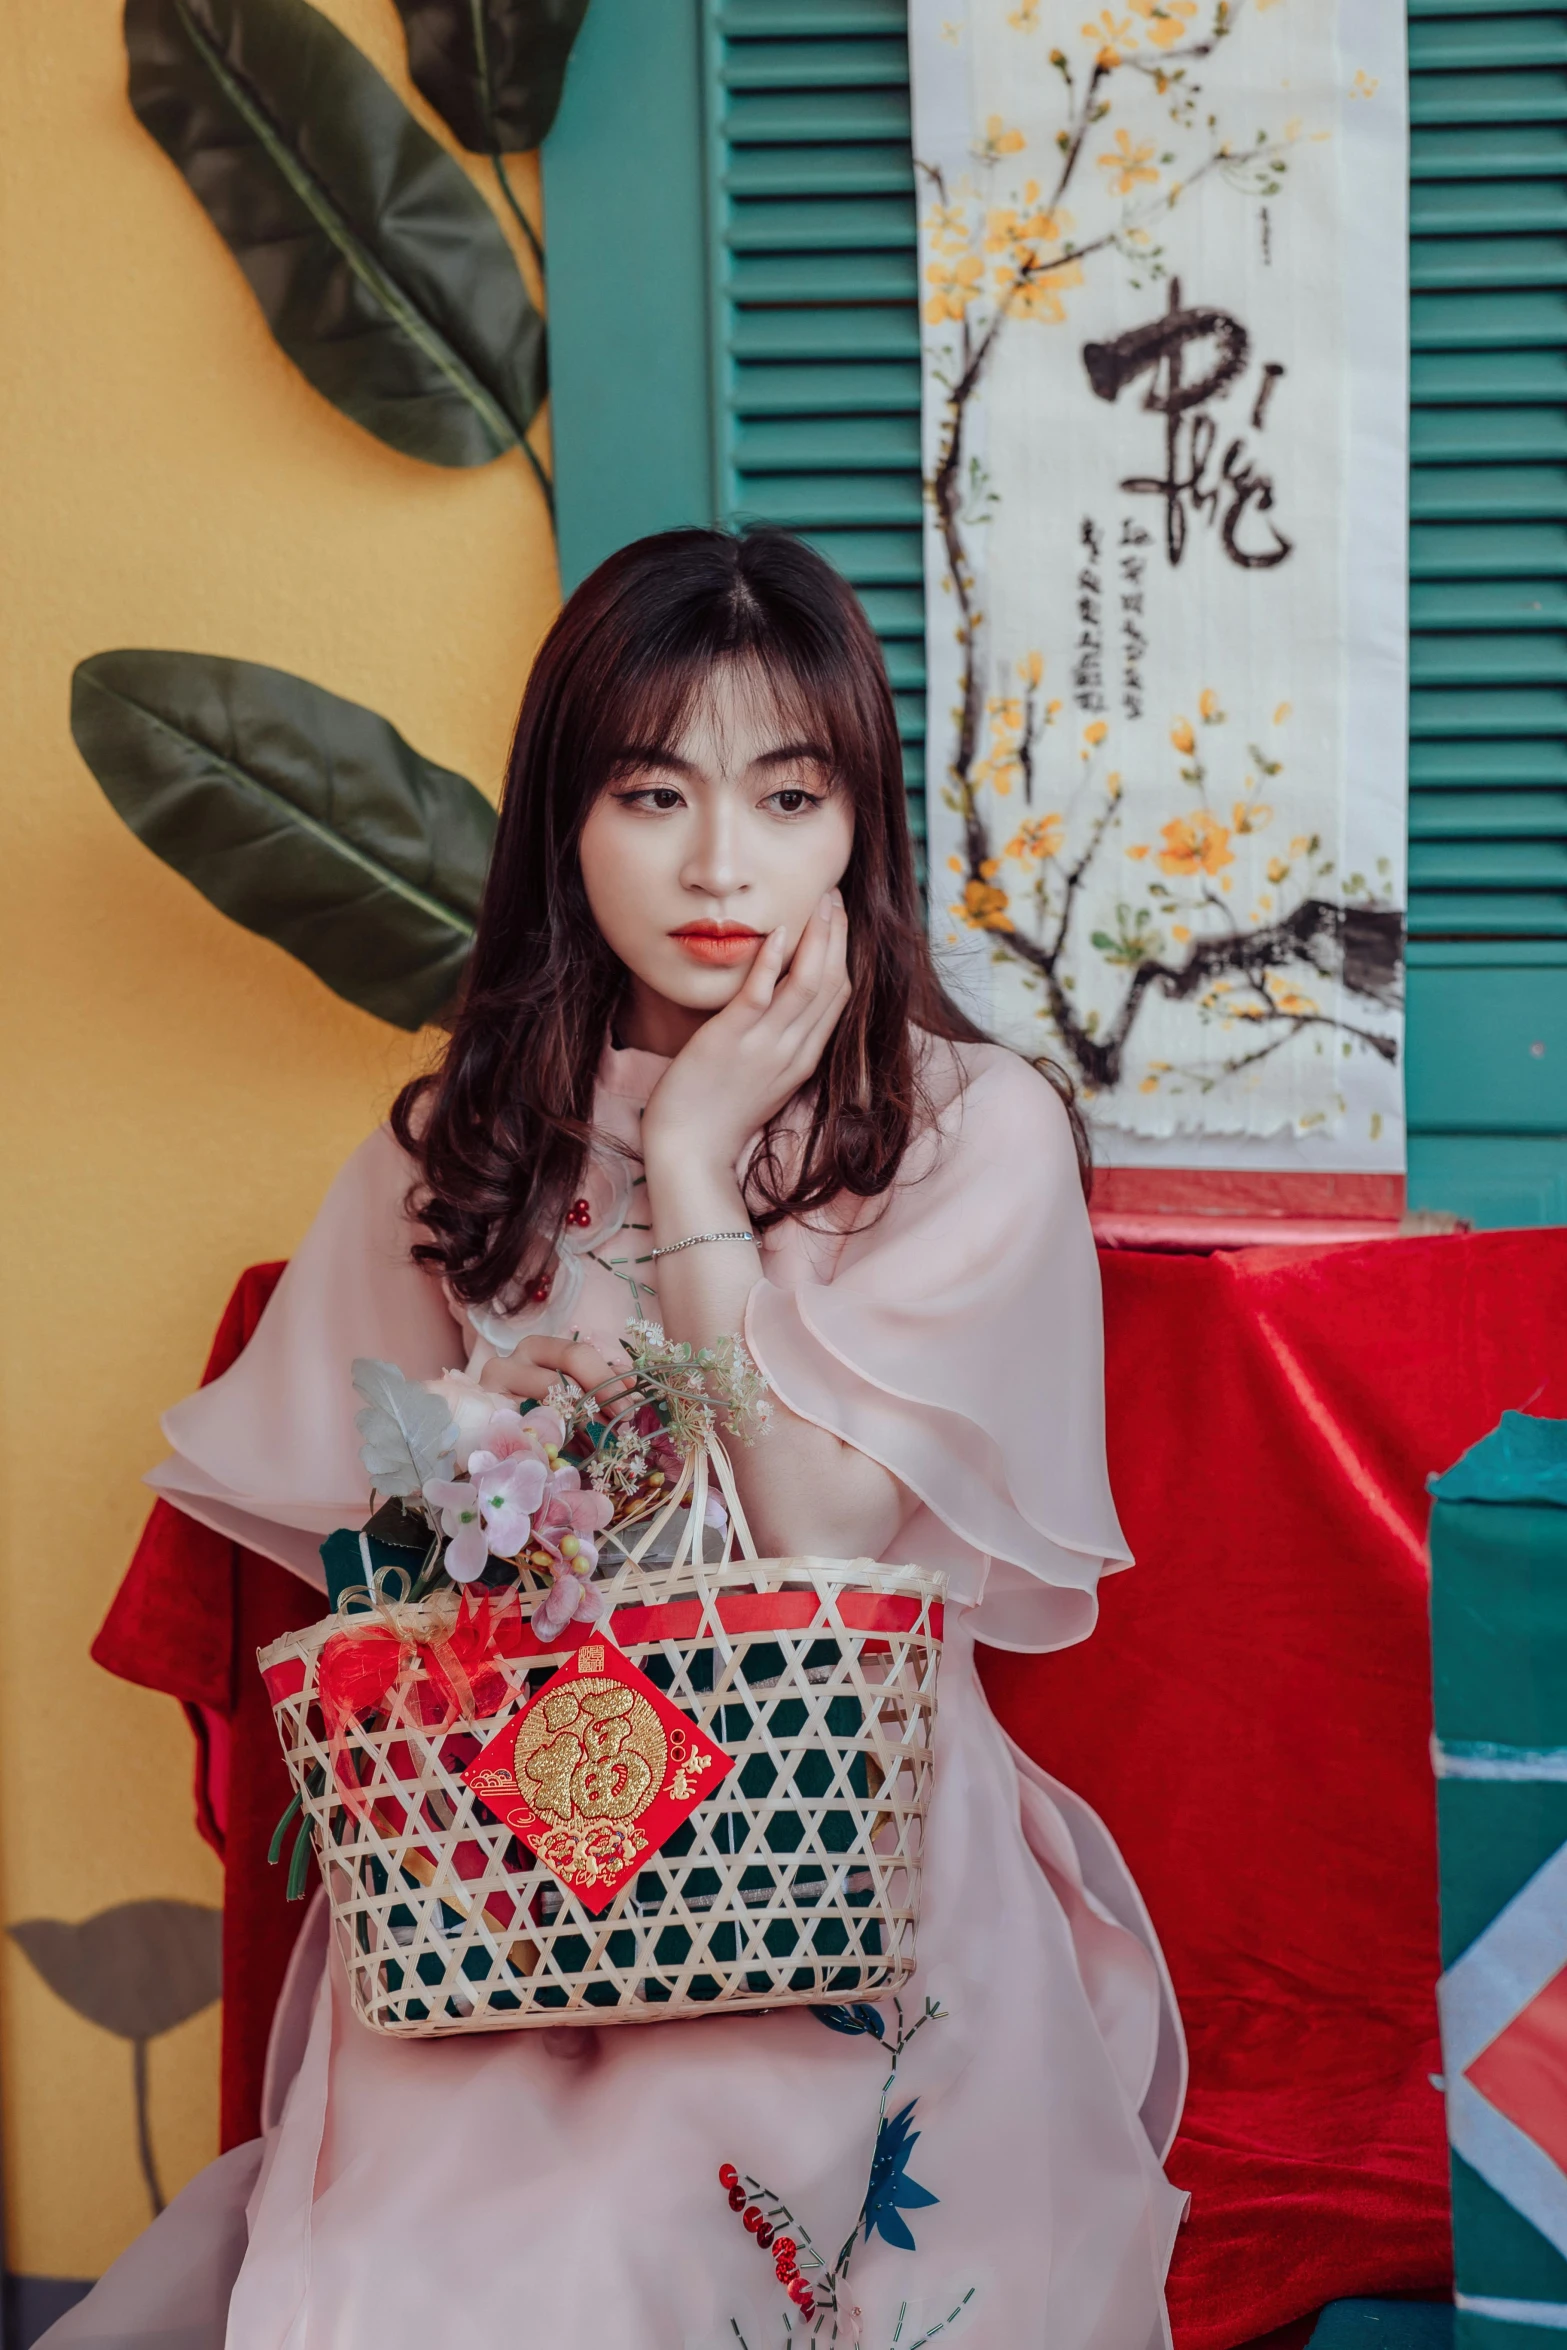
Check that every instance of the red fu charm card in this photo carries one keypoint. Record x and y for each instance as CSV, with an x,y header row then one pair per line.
x,y
596,1772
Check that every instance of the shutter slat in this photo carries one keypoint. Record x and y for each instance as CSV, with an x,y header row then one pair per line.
x,y
1443,913
896,612
890,333
1451,493
1487,261
876,224
1510,40
1488,97
1450,321
770,19
848,390
1508,207
824,277
819,171
1418,10
1497,815
1504,153
805,118
1536,658
1450,436
1489,864
1437,377
816,65
1487,550
873,558
834,444
1517,710
1448,765
816,502
1481,604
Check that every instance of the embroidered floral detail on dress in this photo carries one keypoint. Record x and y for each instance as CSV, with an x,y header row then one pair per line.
x,y
818,2292
891,2191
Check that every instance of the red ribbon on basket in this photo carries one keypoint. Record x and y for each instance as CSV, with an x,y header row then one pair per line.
x,y
361,1665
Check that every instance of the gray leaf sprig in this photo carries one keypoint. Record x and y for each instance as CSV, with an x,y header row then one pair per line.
x,y
408,1435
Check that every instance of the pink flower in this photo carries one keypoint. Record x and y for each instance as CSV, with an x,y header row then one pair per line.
x,y
490,1512
467,1543
569,1596
510,1490
489,1422
538,1433
570,1515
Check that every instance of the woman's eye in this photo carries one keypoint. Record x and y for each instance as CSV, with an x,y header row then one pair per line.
x,y
792,799
662,796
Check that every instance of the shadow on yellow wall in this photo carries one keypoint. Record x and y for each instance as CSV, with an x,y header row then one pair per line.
x,y
180,1093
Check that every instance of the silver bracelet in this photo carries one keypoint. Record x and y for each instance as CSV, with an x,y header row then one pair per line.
x,y
695,1240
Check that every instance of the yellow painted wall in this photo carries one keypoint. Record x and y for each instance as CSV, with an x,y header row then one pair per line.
x,y
178,1094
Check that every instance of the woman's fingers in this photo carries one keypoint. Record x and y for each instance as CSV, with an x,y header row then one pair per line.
x,y
801,989
757,989
824,977
518,1376
540,1362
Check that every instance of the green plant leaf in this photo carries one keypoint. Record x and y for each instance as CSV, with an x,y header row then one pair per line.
x,y
378,265
492,69
303,816
137,1970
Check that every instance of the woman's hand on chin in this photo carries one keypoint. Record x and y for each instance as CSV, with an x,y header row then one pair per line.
x,y
748,1060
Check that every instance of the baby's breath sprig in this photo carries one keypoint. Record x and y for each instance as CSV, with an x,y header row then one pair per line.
x,y
695,1385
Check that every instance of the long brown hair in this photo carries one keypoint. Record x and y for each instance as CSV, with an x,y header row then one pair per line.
x,y
500,1133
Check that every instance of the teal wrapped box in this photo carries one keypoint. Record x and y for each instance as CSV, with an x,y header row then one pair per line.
x,y
1499,1647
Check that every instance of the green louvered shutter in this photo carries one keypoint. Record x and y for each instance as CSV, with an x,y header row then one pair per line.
x,y
815,322
1487,1080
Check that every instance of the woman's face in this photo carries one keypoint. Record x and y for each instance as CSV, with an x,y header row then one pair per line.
x,y
692,855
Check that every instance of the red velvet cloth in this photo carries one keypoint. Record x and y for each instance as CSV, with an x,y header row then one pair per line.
x,y
188,1618
1251,1718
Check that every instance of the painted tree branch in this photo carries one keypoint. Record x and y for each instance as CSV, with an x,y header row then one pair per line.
x,y
1359,946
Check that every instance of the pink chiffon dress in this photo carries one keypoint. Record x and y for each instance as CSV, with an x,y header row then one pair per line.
x,y
558,2190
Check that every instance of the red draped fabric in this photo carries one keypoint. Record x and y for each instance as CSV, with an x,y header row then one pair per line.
x,y
1251,1719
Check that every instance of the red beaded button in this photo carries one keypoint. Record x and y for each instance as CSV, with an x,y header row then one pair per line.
x,y
728,2176
580,1214
786,2247
540,1290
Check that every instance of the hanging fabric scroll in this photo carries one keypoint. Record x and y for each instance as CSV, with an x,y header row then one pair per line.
x,y
1163,288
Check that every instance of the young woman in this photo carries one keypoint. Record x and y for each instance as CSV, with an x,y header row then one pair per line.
x,y
703,1021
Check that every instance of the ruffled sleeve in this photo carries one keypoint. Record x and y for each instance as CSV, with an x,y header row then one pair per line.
x,y
268,1454
954,1335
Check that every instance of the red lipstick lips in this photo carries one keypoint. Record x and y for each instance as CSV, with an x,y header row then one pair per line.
x,y
717,943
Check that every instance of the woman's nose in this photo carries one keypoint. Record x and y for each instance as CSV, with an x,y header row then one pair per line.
x,y
715,865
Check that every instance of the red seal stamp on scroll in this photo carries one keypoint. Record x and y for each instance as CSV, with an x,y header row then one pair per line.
x,y
596,1772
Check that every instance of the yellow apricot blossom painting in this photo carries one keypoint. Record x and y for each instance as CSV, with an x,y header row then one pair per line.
x,y
1146,630
1130,164
1195,844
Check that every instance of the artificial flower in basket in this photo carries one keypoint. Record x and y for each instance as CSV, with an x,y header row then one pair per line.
x,y
519,1702
506,1495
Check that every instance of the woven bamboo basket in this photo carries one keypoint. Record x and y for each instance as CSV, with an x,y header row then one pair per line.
x,y
794,1879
